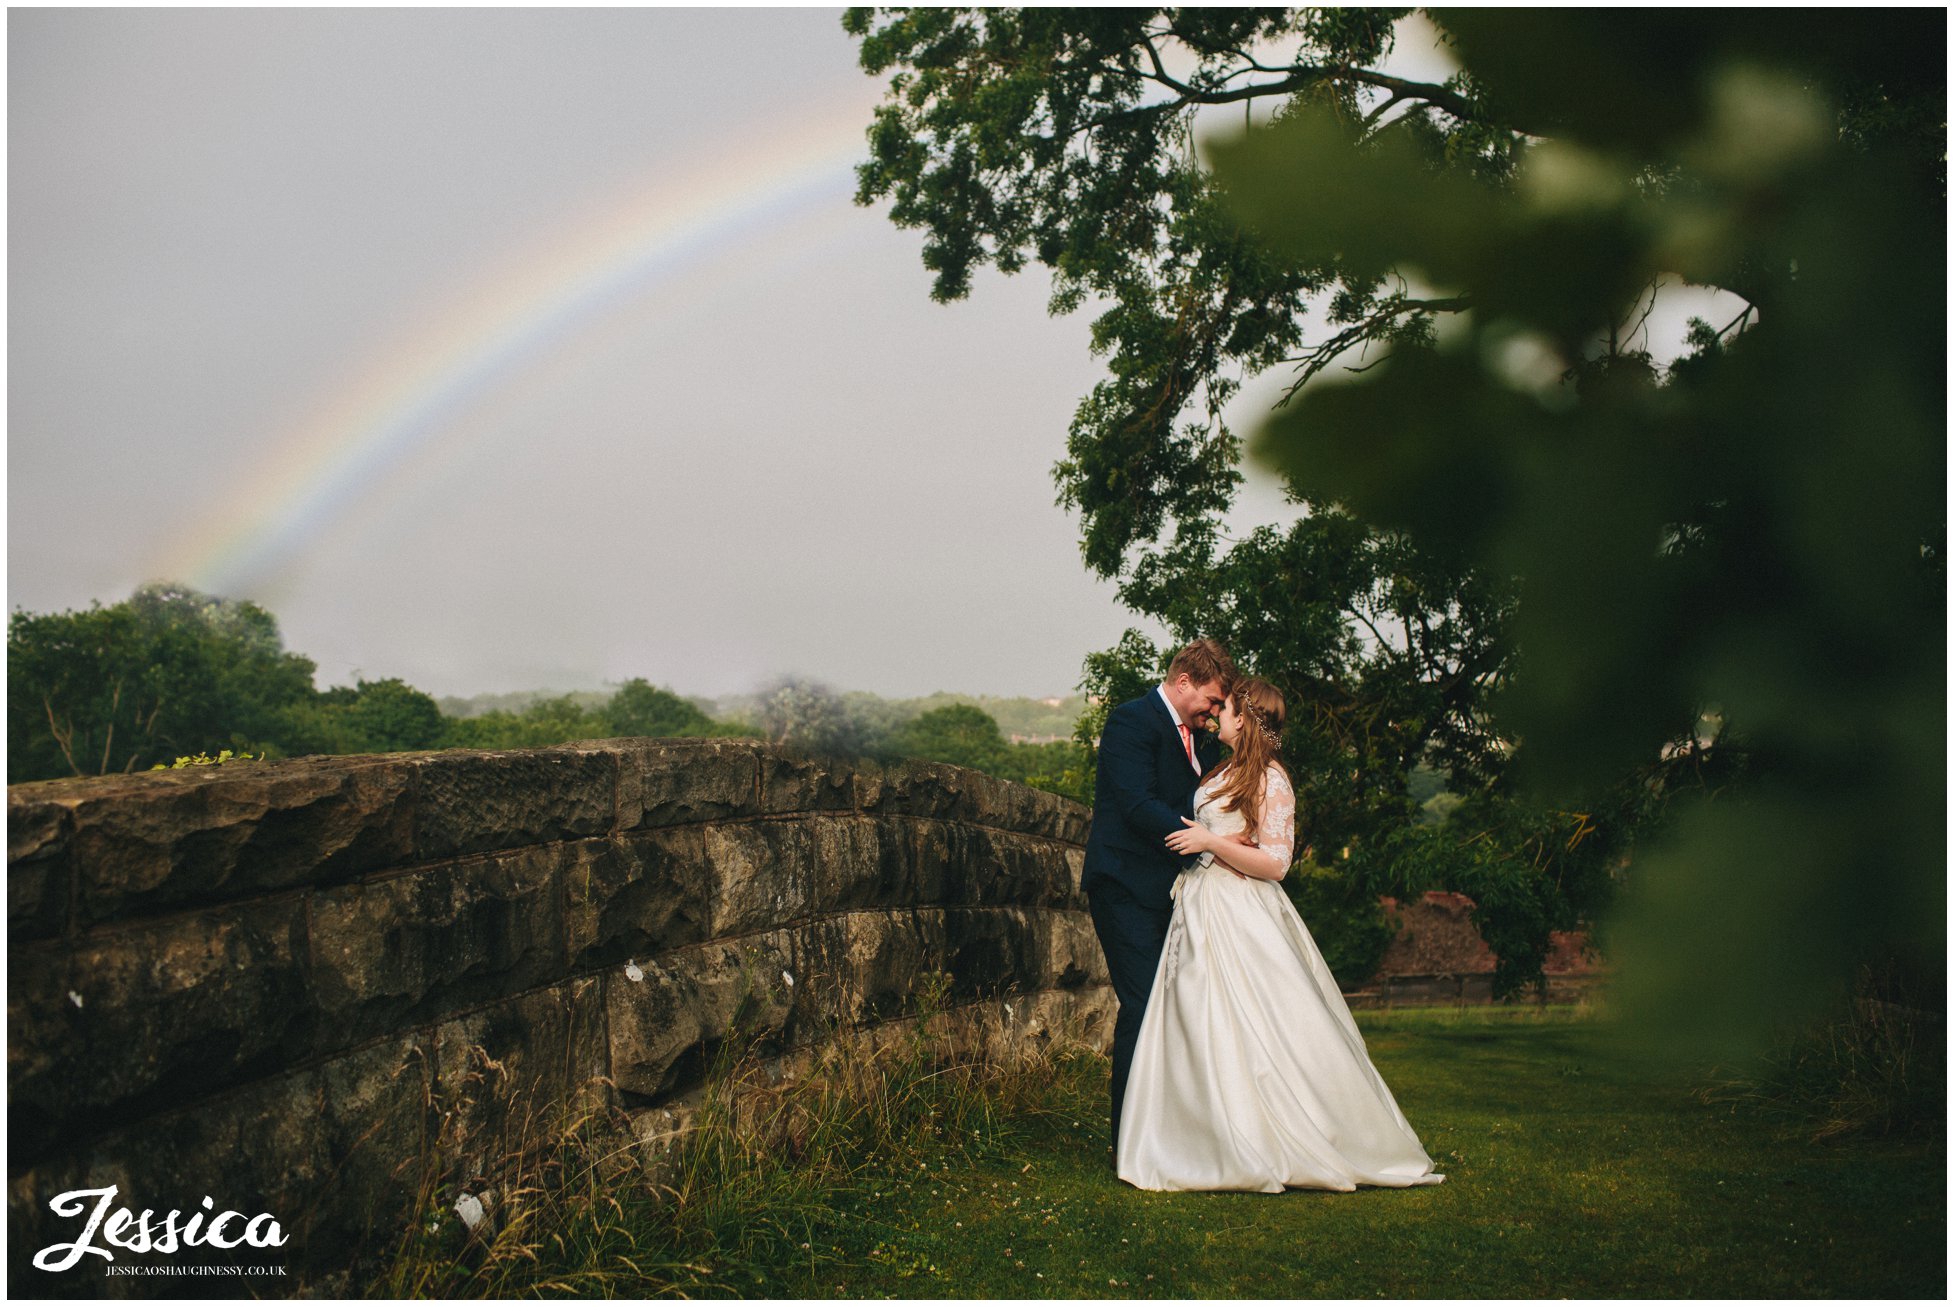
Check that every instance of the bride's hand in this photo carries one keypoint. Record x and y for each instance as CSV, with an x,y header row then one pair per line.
x,y
1195,839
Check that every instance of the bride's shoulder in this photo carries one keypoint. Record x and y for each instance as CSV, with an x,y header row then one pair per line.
x,y
1276,779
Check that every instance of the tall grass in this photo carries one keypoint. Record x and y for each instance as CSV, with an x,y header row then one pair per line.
x,y
773,1152
1871,1067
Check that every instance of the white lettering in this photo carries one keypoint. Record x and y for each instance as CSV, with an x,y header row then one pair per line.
x,y
191,1226
166,1242
119,1221
125,1229
216,1240
70,1204
272,1237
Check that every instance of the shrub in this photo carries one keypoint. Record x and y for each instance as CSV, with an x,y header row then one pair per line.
x,y
1349,925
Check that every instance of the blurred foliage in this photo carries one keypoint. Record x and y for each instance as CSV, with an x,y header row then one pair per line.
x,y
1873,1063
1758,533
808,715
514,702
1515,476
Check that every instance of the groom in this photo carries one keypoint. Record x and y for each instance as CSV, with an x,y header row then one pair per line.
x,y
1153,751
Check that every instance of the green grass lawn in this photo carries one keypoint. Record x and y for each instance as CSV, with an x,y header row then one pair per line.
x,y
1571,1173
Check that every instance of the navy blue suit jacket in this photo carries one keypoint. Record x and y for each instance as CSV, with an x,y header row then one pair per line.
x,y
1144,788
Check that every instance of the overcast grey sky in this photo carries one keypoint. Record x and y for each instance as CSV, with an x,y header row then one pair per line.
x,y
508,349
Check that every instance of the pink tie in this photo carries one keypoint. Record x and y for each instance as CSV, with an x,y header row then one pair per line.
x,y
1187,742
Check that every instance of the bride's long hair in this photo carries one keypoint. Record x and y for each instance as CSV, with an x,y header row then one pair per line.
x,y
1259,747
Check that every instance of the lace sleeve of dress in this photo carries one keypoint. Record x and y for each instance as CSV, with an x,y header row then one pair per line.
x,y
1275,833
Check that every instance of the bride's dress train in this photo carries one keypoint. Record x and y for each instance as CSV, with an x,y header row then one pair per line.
x,y
1249,1073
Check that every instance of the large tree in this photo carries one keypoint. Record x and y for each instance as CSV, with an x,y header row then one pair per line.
x,y
1069,137
1078,139
165,673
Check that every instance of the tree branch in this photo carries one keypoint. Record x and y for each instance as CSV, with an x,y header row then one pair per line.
x,y
1382,643
61,739
115,701
1381,109
1304,75
1319,357
1743,317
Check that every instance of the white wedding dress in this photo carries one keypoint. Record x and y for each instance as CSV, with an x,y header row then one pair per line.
x,y
1249,1073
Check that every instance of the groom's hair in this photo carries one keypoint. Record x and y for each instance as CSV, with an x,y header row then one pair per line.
x,y
1204,661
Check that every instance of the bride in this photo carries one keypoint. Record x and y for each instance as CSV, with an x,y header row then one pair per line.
x,y
1249,1073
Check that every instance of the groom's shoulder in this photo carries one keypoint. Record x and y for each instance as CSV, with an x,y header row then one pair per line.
x,y
1133,709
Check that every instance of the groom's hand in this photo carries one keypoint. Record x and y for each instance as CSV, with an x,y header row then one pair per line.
x,y
1246,839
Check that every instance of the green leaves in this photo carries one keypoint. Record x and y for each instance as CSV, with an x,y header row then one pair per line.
x,y
1761,534
1518,535
641,708
167,671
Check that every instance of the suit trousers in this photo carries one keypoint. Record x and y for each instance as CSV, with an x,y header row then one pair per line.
x,y
1132,935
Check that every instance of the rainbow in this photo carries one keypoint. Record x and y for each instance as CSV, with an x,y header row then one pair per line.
x,y
402,401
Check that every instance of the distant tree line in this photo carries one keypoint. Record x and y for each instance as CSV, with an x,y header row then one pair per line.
x,y
171,672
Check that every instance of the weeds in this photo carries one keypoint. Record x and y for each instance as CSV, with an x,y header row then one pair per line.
x,y
766,1156
1871,1068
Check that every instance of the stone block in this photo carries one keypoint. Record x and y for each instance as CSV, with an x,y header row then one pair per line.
x,y
671,1021
984,800
158,841
467,801
591,1091
859,862
1038,812
1000,867
1075,870
933,789
636,895
412,948
794,782
935,850
512,1078
1082,1016
40,866
877,963
147,1016
992,951
704,780
44,1031
1072,955
761,875
675,782
330,1151
375,1132
914,788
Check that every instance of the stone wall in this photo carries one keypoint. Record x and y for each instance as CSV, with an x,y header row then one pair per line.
x,y
270,983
